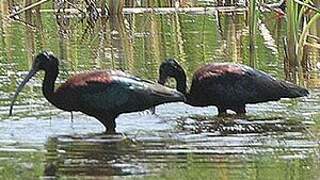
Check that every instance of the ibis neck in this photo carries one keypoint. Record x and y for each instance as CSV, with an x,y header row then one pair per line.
x,y
182,87
181,81
48,83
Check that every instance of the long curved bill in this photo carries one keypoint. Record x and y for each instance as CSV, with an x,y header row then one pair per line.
x,y
23,83
162,79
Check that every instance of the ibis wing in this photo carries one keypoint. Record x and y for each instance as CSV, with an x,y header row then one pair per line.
x,y
256,86
247,86
125,94
100,97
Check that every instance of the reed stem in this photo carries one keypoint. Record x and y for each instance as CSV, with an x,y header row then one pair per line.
x,y
303,36
292,34
252,31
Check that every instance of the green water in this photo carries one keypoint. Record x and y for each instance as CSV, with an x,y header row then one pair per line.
x,y
276,140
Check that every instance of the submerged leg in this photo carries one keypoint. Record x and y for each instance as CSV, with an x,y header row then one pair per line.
x,y
222,111
152,110
240,110
109,124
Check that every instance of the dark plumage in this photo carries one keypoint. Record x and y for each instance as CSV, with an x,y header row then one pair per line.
x,y
101,94
228,86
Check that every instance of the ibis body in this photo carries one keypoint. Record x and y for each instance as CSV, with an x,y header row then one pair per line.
x,y
228,86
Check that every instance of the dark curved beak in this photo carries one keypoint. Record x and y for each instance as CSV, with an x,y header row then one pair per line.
x,y
161,81
20,87
163,78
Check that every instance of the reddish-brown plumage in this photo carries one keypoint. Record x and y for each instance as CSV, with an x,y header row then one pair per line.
x,y
68,95
83,78
212,70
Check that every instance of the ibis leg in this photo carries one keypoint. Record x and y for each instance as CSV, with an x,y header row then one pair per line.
x,y
108,123
240,110
152,110
222,110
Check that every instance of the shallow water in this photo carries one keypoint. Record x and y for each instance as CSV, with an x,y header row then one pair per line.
x,y
287,130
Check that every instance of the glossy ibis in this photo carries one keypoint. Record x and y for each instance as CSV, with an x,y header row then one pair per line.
x,y
101,94
228,86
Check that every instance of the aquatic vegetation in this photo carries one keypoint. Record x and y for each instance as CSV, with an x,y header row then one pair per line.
x,y
115,7
21,165
299,22
253,16
256,168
